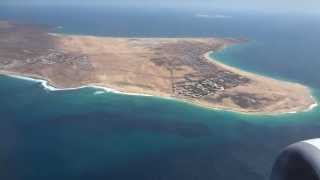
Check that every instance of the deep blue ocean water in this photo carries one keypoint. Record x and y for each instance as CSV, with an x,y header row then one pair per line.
x,y
80,135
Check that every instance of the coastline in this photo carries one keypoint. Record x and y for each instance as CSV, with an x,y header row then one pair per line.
x,y
250,74
46,85
51,87
179,69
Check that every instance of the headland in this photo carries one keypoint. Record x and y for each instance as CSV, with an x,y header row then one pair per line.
x,y
179,68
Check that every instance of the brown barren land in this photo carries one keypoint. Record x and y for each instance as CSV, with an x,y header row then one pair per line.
x,y
168,67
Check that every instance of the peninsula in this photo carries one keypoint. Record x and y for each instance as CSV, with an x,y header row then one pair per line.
x,y
167,67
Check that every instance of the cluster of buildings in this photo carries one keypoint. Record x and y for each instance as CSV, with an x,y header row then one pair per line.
x,y
57,57
208,85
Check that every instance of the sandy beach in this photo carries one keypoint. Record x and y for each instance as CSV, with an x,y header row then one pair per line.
x,y
262,83
175,68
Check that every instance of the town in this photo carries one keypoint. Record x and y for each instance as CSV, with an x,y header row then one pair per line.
x,y
195,87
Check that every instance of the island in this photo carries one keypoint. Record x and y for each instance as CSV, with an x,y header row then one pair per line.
x,y
178,68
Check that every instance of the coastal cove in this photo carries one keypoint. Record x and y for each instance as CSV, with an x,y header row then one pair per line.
x,y
100,132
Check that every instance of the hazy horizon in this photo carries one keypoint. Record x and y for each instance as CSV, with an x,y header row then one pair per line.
x,y
285,6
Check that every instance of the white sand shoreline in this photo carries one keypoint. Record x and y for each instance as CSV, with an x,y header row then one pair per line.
x,y
208,57
47,86
312,106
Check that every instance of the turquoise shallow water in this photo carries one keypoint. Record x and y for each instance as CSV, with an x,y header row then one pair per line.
x,y
76,134
81,134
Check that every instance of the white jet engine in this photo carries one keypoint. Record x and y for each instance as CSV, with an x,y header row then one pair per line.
x,y
300,161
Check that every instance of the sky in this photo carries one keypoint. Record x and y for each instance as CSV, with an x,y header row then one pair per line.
x,y
257,5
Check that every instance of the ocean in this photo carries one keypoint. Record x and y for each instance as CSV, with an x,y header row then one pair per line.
x,y
91,134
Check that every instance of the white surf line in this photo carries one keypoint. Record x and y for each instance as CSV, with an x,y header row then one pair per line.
x,y
293,112
310,108
314,105
56,34
47,86
99,92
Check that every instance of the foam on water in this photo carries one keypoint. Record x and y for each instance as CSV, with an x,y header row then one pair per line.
x,y
47,86
99,92
312,106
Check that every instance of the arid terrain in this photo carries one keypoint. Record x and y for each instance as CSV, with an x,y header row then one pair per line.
x,y
169,67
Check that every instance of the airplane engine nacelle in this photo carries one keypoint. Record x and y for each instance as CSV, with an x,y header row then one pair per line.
x,y
300,161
